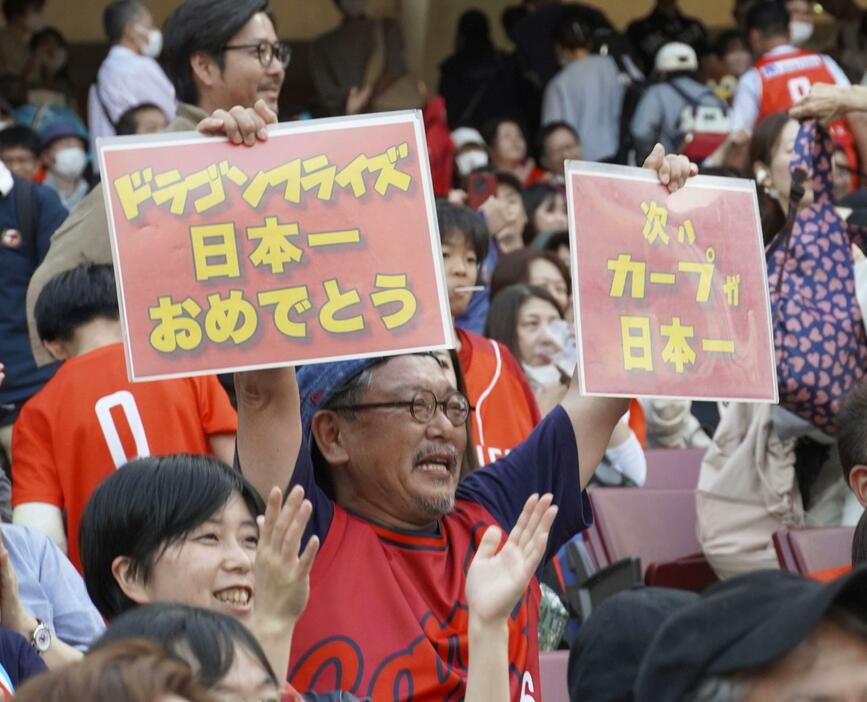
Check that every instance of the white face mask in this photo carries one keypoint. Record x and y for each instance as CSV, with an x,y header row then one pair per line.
x,y
154,43
469,161
70,162
800,32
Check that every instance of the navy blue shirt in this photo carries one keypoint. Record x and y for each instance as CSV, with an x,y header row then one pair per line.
x,y
19,258
18,658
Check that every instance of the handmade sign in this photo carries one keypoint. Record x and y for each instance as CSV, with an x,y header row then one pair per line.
x,y
671,292
320,244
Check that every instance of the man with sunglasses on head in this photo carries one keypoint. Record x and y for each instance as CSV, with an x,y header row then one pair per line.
x,y
227,67
377,445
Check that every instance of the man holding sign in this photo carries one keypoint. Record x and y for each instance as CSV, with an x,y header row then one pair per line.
x,y
387,615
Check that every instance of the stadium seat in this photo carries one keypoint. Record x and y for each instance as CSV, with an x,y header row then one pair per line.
x,y
657,526
673,469
808,551
553,667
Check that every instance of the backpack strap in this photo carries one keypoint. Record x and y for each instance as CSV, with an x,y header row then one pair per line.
x,y
25,213
694,101
104,107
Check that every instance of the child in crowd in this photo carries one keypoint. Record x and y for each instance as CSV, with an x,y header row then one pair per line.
x,y
505,409
19,151
89,419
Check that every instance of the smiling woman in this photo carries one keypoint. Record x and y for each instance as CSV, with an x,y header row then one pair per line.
x,y
186,529
178,527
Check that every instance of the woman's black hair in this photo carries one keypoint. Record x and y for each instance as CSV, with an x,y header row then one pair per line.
x,y
143,508
203,638
514,268
534,197
489,129
764,141
502,321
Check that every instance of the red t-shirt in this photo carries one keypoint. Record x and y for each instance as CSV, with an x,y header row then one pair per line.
x,y
387,616
386,569
786,79
505,407
89,420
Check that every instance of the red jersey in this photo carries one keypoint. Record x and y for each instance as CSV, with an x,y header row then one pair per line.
x,y
89,420
385,568
387,616
505,407
786,78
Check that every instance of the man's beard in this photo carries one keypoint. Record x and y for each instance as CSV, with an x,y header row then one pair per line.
x,y
437,506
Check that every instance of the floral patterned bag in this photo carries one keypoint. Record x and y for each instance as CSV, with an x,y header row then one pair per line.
x,y
821,349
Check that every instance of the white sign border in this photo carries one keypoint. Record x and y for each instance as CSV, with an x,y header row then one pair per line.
x,y
140,142
607,170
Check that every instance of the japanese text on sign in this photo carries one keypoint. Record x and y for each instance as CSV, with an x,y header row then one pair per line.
x,y
292,251
679,349
671,295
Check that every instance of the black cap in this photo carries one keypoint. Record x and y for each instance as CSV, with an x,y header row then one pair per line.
x,y
610,645
740,624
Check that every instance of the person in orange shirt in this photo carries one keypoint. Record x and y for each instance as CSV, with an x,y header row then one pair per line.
x,y
89,420
504,408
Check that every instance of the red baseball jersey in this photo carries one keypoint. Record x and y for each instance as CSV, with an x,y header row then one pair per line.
x,y
505,407
396,640
387,616
89,420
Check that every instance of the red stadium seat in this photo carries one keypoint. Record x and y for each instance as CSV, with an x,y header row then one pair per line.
x,y
673,469
553,667
657,526
808,551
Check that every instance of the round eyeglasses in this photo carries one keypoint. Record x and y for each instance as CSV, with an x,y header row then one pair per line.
x,y
266,51
423,406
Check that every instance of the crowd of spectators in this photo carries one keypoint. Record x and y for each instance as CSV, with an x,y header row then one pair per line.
x,y
405,527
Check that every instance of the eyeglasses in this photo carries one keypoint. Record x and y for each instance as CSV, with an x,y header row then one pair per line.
x,y
423,406
266,51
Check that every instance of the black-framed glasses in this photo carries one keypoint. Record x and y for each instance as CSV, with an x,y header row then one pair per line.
x,y
266,51
423,406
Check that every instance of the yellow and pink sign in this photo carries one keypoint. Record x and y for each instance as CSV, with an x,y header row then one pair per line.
x,y
320,244
671,292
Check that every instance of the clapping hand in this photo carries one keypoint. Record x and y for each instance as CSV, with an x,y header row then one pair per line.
x,y
282,573
496,580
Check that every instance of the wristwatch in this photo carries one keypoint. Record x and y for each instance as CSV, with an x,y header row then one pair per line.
x,y
40,639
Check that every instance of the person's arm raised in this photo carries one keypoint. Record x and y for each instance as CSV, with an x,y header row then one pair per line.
x,y
495,581
594,418
282,574
269,427
828,103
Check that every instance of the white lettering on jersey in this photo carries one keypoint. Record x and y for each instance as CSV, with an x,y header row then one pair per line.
x,y
126,402
527,688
